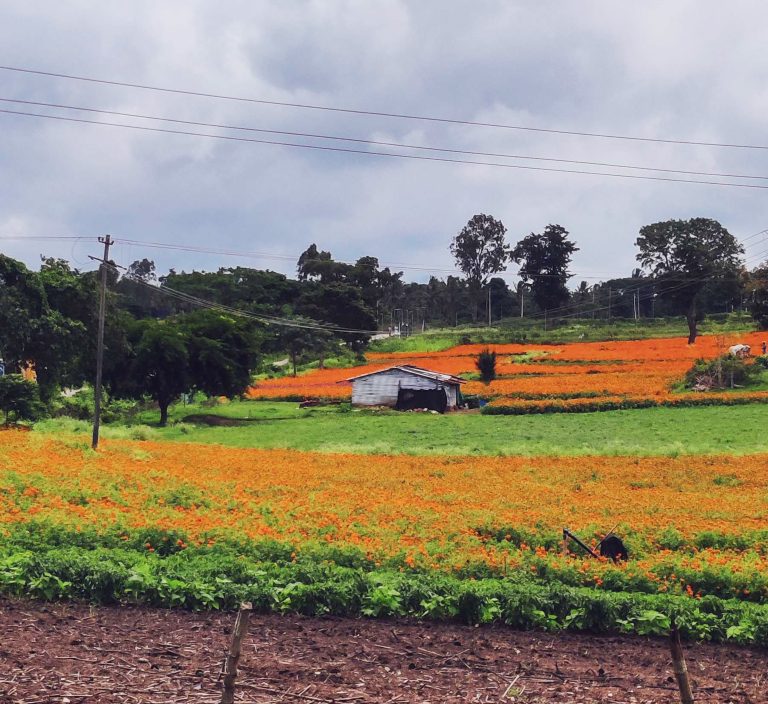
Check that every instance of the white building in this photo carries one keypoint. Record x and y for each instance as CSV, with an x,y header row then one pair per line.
x,y
406,387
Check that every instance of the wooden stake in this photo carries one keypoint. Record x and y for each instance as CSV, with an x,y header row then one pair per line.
x,y
233,656
679,666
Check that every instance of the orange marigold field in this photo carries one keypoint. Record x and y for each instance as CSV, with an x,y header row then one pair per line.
x,y
634,371
383,504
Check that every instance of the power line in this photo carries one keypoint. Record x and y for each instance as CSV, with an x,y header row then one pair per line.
x,y
398,145
378,113
686,281
391,155
265,319
262,318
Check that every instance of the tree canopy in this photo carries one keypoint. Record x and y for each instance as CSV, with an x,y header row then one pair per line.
x,y
685,256
480,250
544,259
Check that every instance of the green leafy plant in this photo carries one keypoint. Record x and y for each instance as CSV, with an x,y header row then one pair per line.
x,y
486,365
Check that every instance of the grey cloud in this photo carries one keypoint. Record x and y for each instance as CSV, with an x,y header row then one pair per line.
x,y
685,69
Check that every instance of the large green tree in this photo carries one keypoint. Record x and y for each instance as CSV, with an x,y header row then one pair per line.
x,y
203,351
685,256
757,290
44,321
544,260
480,250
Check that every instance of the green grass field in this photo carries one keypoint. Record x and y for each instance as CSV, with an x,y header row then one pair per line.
x,y
652,431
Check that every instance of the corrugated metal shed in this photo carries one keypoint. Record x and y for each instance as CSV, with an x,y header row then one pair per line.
x,y
380,388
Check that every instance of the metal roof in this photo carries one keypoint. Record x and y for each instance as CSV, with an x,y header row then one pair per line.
x,y
416,371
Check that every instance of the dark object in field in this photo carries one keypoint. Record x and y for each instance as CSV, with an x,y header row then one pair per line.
x,y
310,403
612,547
575,538
431,399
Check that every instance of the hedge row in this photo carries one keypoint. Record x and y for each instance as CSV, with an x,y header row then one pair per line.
x,y
549,405
200,580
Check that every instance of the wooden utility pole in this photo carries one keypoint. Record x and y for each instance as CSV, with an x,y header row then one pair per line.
x,y
107,242
233,655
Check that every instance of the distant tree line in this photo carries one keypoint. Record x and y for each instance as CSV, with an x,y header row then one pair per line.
x,y
161,344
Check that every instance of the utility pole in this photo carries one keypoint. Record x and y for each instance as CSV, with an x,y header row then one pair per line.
x,y
610,292
489,305
107,242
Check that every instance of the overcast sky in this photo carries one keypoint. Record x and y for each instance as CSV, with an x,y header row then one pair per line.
x,y
693,70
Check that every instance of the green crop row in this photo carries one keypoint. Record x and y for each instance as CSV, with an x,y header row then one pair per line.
x,y
553,405
206,580
726,567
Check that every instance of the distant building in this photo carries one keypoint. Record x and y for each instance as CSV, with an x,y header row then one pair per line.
x,y
406,387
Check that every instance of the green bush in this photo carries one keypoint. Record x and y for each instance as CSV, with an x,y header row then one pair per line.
x,y
19,398
721,373
80,406
762,361
486,365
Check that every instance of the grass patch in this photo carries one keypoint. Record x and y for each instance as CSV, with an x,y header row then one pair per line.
x,y
651,431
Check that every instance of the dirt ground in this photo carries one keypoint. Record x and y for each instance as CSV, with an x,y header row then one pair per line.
x,y
70,653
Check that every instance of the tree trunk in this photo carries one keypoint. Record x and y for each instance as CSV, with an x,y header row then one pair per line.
x,y
690,317
293,361
163,413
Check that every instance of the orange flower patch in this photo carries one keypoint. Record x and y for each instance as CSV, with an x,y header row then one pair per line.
x,y
383,504
638,371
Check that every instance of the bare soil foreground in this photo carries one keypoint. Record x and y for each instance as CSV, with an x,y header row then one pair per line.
x,y
73,653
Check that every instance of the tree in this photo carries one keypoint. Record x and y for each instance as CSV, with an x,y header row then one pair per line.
x,y
303,339
319,265
757,290
223,351
686,255
33,331
544,260
18,397
202,351
480,250
339,305
486,365
161,365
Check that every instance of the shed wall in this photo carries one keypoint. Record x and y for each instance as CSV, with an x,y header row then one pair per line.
x,y
381,389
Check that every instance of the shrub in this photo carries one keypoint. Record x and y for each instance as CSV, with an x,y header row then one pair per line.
x,y
486,365
19,398
720,373
762,361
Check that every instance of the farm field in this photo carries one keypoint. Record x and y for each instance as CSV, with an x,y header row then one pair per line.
x,y
333,511
477,539
586,376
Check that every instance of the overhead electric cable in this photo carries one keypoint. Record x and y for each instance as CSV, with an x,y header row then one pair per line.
x,y
391,155
377,113
379,143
